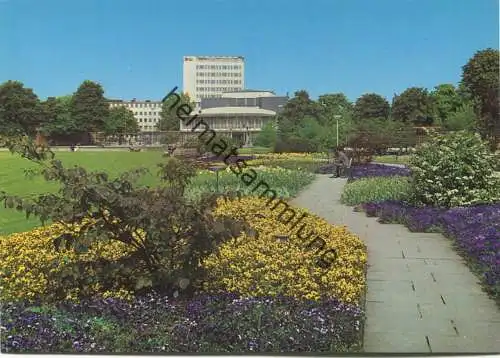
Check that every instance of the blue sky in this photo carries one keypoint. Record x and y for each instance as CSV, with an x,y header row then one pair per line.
x,y
135,48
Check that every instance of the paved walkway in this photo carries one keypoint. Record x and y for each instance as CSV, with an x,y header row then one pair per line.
x,y
421,297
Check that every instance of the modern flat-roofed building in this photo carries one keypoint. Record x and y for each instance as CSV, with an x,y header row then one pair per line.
x,y
147,113
210,76
239,115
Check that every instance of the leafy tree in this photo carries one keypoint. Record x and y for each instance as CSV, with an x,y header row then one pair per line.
x,y
169,120
166,235
89,109
298,107
446,100
290,120
371,106
57,112
267,136
480,78
463,118
20,109
312,132
120,121
414,105
332,105
377,135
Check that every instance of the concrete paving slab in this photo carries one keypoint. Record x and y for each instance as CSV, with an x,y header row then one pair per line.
x,y
421,297
452,344
400,342
456,266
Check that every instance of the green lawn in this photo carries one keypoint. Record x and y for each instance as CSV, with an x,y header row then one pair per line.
x,y
254,150
14,181
392,159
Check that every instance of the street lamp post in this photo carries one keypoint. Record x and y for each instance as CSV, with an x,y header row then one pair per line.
x,y
337,117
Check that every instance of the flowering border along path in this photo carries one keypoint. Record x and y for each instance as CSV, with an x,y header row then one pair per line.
x,y
475,230
421,296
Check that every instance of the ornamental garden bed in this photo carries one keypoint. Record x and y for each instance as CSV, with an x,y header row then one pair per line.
x,y
384,192
475,231
254,293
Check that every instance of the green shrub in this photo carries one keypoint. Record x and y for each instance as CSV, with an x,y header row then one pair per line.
x,y
267,136
375,189
454,169
167,236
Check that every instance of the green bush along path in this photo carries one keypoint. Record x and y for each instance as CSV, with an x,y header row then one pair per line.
x,y
421,297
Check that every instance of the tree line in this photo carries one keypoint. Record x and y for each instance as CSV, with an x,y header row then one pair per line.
x,y
304,124
71,116
311,125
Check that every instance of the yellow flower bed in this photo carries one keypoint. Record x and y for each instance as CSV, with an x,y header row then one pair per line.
x,y
30,266
29,263
275,158
288,156
263,265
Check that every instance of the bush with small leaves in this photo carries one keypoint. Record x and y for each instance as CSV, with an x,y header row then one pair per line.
x,y
455,169
166,235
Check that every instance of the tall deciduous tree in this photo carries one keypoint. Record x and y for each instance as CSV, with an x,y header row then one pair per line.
x,y
20,109
58,117
480,77
371,106
120,121
414,105
332,105
290,121
299,107
463,118
447,100
169,120
88,108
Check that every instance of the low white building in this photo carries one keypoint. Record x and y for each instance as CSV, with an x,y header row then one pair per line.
x,y
147,113
240,115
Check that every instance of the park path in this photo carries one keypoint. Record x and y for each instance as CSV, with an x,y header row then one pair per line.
x,y
421,297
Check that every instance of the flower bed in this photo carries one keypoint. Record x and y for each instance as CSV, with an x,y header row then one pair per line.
x,y
475,230
375,189
205,324
265,265
30,265
377,170
286,182
288,156
232,159
324,315
303,161
369,170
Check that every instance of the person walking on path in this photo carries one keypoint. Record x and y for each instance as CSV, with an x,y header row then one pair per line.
x,y
341,161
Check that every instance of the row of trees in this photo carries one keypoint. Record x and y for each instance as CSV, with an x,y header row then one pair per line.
x,y
473,105
85,111
71,116
304,123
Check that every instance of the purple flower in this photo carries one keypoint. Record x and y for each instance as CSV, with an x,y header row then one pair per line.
x,y
475,230
377,170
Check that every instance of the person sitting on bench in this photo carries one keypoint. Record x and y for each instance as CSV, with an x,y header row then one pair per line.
x,y
341,161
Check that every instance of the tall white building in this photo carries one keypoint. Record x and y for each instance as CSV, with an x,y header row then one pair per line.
x,y
210,76
147,113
